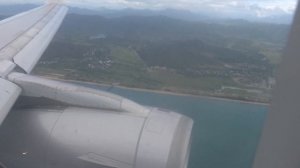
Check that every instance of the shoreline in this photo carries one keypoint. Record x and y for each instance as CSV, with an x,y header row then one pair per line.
x,y
192,95
158,91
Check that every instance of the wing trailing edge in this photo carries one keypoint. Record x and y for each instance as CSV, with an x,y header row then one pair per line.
x,y
31,53
25,37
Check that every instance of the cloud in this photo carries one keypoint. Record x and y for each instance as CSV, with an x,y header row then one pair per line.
x,y
255,7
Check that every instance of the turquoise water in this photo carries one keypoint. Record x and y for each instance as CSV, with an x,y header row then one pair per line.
x,y
225,133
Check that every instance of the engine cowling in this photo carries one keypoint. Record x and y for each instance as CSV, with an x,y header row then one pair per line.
x,y
64,137
60,125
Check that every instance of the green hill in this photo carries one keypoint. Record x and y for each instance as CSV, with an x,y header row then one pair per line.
x,y
232,59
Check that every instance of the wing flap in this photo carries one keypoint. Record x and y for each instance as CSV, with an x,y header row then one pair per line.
x,y
31,53
13,27
26,36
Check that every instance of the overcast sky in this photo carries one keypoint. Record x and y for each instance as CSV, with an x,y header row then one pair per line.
x,y
257,7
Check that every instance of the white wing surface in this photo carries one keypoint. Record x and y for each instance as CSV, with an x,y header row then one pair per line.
x,y
26,36
23,40
89,128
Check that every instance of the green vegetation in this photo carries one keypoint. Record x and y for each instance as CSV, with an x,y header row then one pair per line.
x,y
167,54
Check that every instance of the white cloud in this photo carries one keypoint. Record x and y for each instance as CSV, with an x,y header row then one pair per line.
x,y
257,7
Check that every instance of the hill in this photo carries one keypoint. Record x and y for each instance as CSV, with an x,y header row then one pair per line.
x,y
234,59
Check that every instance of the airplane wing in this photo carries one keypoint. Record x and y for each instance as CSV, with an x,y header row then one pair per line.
x,y
67,125
24,39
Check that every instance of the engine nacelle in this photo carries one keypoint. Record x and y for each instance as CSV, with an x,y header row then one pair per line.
x,y
63,137
60,125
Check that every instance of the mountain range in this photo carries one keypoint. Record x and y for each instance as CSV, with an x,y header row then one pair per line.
x,y
282,18
165,51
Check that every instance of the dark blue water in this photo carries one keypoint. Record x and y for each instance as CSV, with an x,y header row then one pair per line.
x,y
225,133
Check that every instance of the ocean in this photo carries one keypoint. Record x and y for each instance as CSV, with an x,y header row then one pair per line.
x,y
225,133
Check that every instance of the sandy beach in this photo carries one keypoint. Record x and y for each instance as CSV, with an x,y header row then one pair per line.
x,y
156,91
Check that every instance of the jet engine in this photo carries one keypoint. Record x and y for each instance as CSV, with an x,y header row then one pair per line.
x,y
60,125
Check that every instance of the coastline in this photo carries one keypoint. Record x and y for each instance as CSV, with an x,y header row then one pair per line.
x,y
192,95
158,91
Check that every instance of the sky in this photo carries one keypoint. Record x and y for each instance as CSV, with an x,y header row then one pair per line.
x,y
259,8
